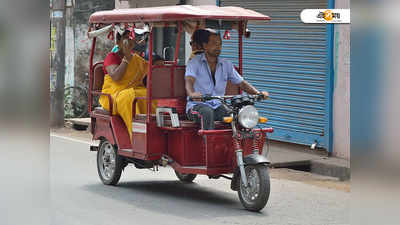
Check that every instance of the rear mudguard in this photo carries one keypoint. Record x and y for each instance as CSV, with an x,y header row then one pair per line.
x,y
252,159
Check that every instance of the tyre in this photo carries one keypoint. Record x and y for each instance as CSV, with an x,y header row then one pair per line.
x,y
255,196
75,102
109,163
187,178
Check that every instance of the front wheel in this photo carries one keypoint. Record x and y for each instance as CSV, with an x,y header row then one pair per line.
x,y
188,178
255,196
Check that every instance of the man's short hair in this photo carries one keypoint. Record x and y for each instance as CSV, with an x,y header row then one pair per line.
x,y
202,36
211,32
199,36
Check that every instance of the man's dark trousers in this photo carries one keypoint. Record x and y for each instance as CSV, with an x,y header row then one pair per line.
x,y
208,114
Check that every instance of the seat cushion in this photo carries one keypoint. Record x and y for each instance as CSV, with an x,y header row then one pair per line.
x,y
182,123
101,110
143,116
192,124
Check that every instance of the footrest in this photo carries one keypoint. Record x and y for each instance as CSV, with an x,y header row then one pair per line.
x,y
171,128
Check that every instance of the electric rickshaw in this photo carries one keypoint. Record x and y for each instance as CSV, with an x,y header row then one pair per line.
x,y
233,150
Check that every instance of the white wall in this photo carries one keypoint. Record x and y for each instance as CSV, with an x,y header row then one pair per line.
x,y
201,2
143,3
119,4
69,49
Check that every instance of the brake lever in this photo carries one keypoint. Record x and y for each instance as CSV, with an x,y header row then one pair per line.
x,y
260,97
205,98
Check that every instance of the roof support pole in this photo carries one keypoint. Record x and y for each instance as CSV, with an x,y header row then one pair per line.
x,y
91,75
178,43
241,48
149,84
330,85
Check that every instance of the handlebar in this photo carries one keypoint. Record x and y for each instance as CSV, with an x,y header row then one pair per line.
x,y
205,98
209,97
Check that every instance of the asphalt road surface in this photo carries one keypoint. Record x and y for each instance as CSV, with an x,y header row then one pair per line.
x,y
145,197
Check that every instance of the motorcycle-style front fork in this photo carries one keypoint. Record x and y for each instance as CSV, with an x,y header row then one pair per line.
x,y
239,159
239,152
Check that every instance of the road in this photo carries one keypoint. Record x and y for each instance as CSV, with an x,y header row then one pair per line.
x,y
145,197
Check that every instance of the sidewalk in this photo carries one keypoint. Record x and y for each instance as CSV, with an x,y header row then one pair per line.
x,y
300,157
287,155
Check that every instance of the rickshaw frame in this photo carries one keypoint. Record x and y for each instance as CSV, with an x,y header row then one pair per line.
x,y
212,151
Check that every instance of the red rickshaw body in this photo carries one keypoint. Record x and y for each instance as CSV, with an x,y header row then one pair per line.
x,y
187,148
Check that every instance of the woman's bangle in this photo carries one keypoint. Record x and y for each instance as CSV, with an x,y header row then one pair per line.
x,y
125,60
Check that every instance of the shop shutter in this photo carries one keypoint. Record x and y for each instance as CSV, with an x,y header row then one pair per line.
x,y
289,59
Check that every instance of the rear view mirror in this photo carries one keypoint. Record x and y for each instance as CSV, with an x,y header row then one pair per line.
x,y
247,33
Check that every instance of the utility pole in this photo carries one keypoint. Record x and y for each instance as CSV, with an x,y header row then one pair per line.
x,y
57,76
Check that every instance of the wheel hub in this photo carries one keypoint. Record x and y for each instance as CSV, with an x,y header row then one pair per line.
x,y
108,161
251,192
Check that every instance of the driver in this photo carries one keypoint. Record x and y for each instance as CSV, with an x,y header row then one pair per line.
x,y
207,74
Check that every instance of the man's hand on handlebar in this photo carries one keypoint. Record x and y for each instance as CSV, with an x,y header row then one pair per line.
x,y
265,94
196,96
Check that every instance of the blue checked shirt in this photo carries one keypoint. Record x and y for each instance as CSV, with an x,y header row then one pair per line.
x,y
199,69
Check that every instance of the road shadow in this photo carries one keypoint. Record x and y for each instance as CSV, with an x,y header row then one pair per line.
x,y
174,197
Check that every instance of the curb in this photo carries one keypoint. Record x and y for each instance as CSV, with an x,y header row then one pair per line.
x,y
322,167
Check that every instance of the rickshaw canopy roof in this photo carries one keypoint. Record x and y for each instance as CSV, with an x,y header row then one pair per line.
x,y
176,13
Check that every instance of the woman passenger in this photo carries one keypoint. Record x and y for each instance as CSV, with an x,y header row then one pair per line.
x,y
123,80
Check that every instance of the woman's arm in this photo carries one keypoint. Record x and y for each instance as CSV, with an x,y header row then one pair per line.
x,y
117,71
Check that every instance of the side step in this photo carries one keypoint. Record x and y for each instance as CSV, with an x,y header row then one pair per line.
x,y
94,148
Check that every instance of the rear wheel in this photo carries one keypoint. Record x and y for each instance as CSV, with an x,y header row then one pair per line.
x,y
109,163
255,196
185,177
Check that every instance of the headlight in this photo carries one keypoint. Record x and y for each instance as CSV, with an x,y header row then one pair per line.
x,y
248,116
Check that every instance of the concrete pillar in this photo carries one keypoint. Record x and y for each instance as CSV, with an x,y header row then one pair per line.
x,y
341,95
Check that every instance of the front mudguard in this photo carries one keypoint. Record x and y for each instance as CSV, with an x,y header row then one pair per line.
x,y
252,159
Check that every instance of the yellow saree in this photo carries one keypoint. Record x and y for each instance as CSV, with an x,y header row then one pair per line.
x,y
124,91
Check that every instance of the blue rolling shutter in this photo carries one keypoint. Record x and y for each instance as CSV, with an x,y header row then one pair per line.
x,y
288,59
